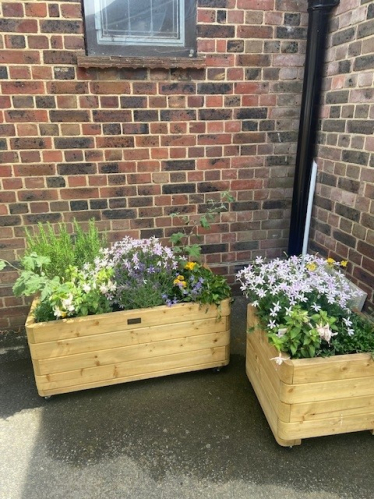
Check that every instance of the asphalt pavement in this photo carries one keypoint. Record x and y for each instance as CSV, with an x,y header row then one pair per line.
x,y
199,435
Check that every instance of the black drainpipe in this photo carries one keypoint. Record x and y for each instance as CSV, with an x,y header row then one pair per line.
x,y
318,23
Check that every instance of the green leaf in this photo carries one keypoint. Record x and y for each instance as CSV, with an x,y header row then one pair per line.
x,y
2,264
204,223
177,237
194,251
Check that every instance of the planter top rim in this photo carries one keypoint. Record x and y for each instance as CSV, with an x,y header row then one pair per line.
x,y
30,322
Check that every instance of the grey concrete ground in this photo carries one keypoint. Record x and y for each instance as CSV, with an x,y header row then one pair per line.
x,y
191,436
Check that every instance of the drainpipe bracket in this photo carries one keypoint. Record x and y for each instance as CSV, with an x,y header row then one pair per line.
x,y
322,4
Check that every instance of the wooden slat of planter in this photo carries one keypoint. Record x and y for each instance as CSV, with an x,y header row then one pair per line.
x,y
131,368
71,346
322,404
270,384
337,367
328,426
331,409
147,350
327,390
117,321
285,371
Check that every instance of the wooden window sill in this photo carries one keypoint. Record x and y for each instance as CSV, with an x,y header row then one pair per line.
x,y
86,61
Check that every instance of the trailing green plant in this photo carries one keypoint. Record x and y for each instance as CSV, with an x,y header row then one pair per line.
x,y
63,249
183,241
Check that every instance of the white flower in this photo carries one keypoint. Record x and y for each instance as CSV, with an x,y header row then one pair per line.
x,y
57,312
279,360
281,332
347,321
325,332
86,288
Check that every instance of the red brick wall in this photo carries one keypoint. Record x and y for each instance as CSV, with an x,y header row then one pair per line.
x,y
343,222
130,146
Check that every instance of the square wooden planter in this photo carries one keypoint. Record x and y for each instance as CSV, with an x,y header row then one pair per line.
x,y
98,350
305,398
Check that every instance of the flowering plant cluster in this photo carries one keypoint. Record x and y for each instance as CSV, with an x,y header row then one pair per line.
x,y
131,274
143,273
197,283
303,303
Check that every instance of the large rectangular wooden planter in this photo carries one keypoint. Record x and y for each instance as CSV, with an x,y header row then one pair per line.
x,y
305,398
98,350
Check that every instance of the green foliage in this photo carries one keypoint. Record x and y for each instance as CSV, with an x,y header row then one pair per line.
x,y
83,294
183,241
301,334
33,279
360,342
52,269
197,283
64,250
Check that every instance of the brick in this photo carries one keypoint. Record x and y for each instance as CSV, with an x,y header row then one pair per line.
x,y
119,214
214,88
255,32
177,88
212,31
215,114
248,60
114,141
178,188
356,157
133,102
19,56
361,126
110,88
365,29
27,116
43,218
364,62
60,26
338,97
67,87
29,143
76,169
73,142
291,33
347,212
18,26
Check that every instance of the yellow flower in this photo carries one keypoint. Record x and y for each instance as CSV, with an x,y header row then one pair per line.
x,y
343,263
190,265
330,261
311,266
179,281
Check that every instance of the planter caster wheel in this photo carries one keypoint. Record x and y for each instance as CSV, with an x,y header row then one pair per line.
x,y
48,397
217,369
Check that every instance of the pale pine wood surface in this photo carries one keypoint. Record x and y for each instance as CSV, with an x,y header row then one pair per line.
x,y
87,352
331,395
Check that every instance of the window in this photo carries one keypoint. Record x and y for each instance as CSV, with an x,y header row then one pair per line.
x,y
134,28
